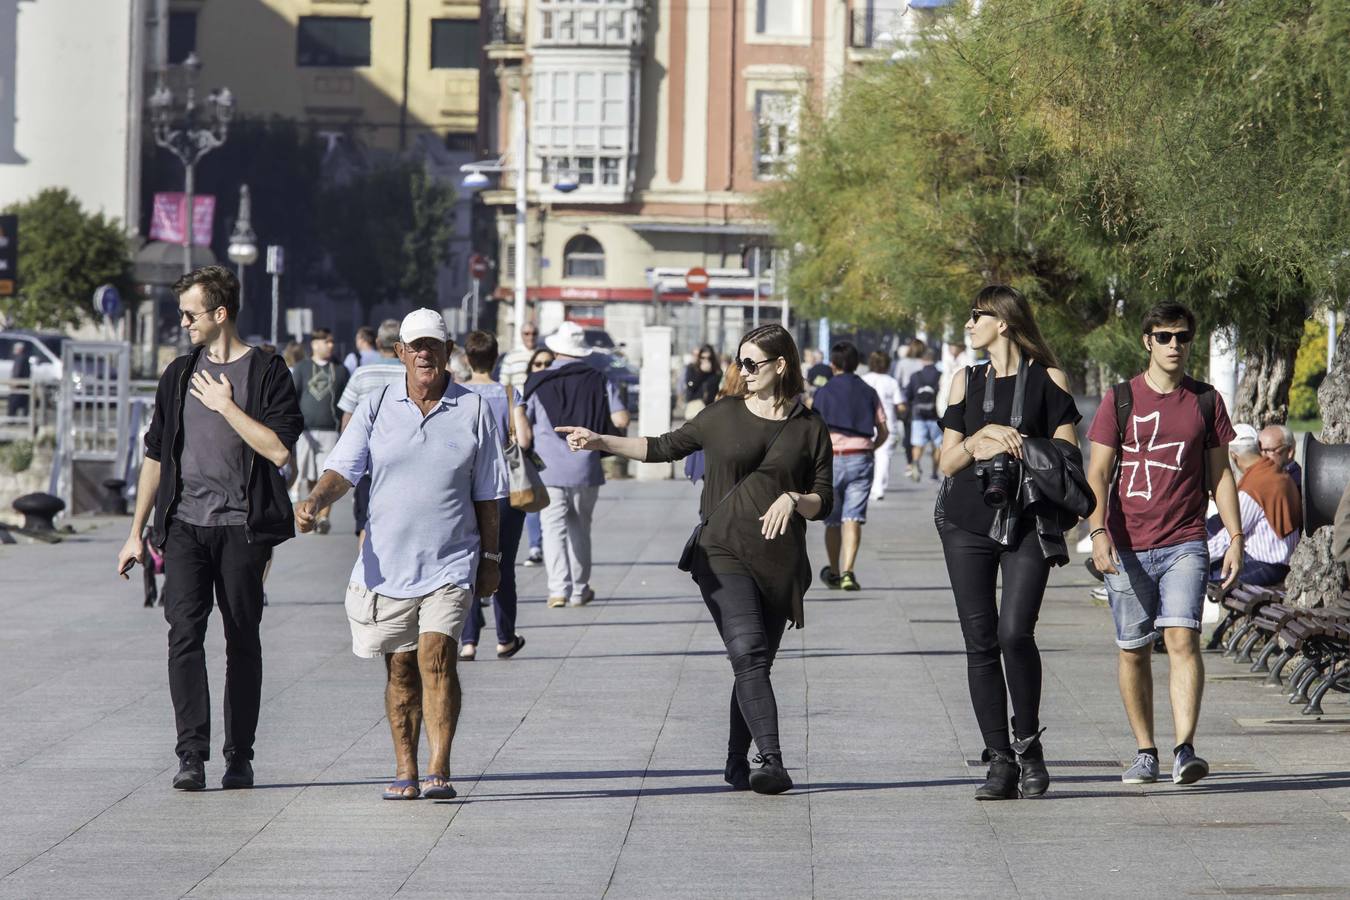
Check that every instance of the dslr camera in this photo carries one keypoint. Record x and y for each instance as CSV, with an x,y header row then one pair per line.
x,y
998,477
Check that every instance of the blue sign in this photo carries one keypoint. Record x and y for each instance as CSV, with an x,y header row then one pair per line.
x,y
107,301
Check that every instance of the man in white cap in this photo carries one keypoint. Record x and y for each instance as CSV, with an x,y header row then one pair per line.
x,y
570,392
1271,510
437,471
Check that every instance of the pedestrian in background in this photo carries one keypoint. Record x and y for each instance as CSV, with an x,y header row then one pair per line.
x,y
437,473
1002,659
909,361
481,350
955,357
365,352
921,400
857,423
540,360
319,383
892,400
368,378
226,419
574,393
768,470
817,371
702,377
515,366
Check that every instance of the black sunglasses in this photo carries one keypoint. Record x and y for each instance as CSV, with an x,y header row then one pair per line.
x,y
976,313
750,366
1165,337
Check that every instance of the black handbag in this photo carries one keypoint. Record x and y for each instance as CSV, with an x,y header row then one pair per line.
x,y
686,563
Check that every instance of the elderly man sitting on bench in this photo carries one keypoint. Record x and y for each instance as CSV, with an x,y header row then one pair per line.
x,y
1272,514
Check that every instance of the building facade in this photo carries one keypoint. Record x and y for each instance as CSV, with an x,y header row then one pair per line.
x,y
70,103
396,77
662,121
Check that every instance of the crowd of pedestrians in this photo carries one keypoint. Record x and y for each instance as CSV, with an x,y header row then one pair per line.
x,y
779,440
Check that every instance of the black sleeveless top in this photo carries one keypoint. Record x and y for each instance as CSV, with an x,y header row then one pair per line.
x,y
1045,407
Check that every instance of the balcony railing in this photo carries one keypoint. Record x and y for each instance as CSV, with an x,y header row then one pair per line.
x,y
568,23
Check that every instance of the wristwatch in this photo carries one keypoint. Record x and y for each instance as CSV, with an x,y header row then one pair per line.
x,y
495,557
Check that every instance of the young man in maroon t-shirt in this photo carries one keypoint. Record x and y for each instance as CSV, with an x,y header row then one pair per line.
x,y
1148,530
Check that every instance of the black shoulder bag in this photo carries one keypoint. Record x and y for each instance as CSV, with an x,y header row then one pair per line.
x,y
686,563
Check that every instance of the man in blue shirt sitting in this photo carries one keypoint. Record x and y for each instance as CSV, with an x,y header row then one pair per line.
x,y
437,471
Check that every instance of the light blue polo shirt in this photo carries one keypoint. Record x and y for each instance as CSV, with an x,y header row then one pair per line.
x,y
426,472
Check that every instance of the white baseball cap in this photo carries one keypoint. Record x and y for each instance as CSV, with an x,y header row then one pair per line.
x,y
1246,434
423,323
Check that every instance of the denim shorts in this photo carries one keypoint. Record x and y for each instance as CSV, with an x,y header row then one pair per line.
x,y
924,431
852,487
1159,588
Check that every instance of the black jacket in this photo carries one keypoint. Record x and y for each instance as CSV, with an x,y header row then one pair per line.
x,y
272,401
1053,492
573,394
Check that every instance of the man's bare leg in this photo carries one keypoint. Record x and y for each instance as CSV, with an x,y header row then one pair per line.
x,y
852,539
1135,672
403,706
1187,680
441,698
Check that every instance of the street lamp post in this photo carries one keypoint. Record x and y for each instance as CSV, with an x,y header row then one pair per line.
x,y
243,242
476,180
187,138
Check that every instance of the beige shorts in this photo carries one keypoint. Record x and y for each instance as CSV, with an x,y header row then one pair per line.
x,y
383,624
311,450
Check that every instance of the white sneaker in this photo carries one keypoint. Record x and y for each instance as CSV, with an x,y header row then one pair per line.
x,y
1099,593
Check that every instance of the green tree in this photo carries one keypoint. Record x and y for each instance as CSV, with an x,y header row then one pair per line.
x,y
65,253
386,231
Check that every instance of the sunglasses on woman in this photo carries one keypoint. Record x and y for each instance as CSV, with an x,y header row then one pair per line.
x,y
975,315
539,365
750,366
1165,337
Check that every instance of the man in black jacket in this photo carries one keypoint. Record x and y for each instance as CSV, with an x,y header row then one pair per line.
x,y
226,419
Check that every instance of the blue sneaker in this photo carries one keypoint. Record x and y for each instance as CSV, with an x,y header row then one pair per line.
x,y
1187,768
1144,770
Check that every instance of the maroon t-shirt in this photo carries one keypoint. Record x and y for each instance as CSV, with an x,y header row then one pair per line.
x,y
1160,497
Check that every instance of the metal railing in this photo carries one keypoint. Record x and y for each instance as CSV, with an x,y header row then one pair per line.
x,y
27,405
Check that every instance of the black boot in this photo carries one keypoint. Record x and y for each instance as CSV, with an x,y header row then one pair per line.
x,y
770,777
737,773
1030,753
1001,782
191,773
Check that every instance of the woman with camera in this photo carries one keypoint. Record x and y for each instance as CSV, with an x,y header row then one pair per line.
x,y
769,467
992,409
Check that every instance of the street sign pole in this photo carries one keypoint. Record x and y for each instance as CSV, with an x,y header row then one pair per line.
x,y
473,313
696,281
276,264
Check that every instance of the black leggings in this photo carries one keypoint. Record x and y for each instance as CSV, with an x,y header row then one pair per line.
x,y
1009,628
752,633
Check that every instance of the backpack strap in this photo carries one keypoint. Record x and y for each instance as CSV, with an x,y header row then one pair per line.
x,y
375,413
1205,395
1124,397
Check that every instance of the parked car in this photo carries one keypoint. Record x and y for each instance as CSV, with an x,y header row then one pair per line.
x,y
599,339
44,355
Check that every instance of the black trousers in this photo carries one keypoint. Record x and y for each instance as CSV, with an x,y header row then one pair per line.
x,y
751,632
199,563
1005,629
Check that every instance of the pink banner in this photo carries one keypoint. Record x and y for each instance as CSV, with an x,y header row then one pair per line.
x,y
167,220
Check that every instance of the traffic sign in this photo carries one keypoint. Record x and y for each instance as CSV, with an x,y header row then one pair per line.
x,y
696,279
9,255
276,260
478,265
107,301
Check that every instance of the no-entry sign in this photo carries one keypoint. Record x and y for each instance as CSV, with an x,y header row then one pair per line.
x,y
478,266
696,279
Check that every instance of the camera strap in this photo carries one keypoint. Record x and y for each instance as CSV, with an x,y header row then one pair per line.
x,y
1019,394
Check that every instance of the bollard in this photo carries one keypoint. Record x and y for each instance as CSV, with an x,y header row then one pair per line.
x,y
39,510
114,504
